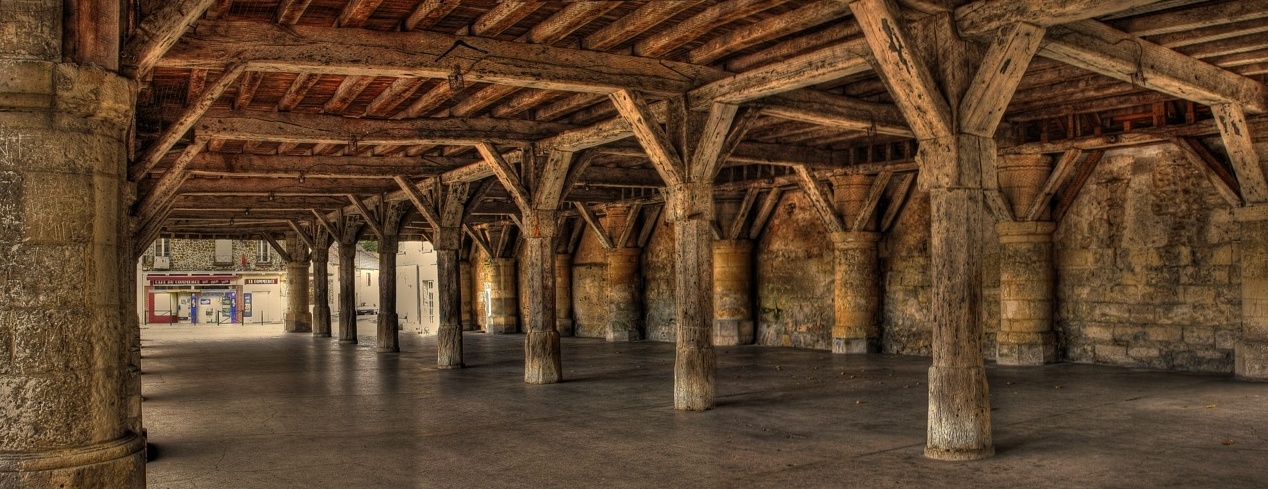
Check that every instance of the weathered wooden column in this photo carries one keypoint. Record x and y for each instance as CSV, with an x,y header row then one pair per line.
x,y
856,269
688,155
443,208
732,292
297,318
349,228
625,281
1027,277
388,337
321,284
954,114
64,367
563,295
537,189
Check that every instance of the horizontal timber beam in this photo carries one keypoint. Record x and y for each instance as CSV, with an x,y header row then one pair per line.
x,y
330,129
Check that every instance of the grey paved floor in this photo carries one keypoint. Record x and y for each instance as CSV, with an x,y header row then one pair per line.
x,y
251,407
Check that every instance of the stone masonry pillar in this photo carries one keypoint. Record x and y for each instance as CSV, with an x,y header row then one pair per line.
x,y
1027,292
563,295
625,282
856,292
321,286
298,318
1027,281
504,303
732,292
65,354
856,270
1250,357
466,295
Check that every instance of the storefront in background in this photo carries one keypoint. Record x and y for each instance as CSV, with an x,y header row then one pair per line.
x,y
212,299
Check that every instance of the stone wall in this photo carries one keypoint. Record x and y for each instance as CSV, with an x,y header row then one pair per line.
x,y
589,287
794,277
661,322
1147,266
190,255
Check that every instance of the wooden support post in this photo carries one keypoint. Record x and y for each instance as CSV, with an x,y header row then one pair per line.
x,y
392,216
349,230
321,283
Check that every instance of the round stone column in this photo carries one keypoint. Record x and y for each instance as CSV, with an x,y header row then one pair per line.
x,y
298,318
65,348
1250,354
563,295
856,293
466,295
732,292
625,294
504,306
1027,294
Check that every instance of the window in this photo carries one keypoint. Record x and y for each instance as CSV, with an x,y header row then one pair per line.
x,y
224,252
263,252
163,247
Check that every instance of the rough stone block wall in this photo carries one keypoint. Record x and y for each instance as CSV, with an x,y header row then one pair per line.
x,y
794,277
190,255
660,323
589,288
1147,266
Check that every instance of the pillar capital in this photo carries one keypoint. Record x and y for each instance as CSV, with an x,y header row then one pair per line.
x,y
540,223
855,239
1025,229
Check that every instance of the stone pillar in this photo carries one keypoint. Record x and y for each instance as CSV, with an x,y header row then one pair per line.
x,y
504,303
66,384
1027,281
856,292
321,285
450,308
387,339
732,292
563,295
348,290
542,359
1027,294
1250,357
298,318
467,294
856,270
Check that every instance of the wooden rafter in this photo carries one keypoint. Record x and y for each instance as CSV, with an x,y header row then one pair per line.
x,y
159,148
310,128
158,32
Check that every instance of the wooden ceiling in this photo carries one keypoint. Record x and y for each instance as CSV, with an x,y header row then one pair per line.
x,y
254,113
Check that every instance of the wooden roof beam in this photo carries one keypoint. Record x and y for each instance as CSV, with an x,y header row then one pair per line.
x,y
158,33
428,13
1102,49
803,18
984,17
419,54
309,128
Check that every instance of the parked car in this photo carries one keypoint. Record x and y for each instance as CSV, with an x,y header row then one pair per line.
x,y
363,310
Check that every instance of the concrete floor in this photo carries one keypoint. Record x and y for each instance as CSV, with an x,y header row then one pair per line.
x,y
251,407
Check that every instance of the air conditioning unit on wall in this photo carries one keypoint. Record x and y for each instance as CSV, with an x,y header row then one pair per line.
x,y
162,263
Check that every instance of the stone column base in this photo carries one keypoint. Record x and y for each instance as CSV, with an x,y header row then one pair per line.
x,y
731,332
502,325
854,346
1250,361
116,464
1025,349
566,327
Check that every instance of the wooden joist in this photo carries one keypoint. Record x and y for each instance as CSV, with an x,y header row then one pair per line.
x,y
823,65
428,13
430,55
158,32
310,128
985,16
159,148
809,15
1102,49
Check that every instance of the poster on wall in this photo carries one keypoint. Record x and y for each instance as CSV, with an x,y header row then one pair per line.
x,y
246,304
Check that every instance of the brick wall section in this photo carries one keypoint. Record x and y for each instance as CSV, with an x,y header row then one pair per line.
x,y
190,255
1147,266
